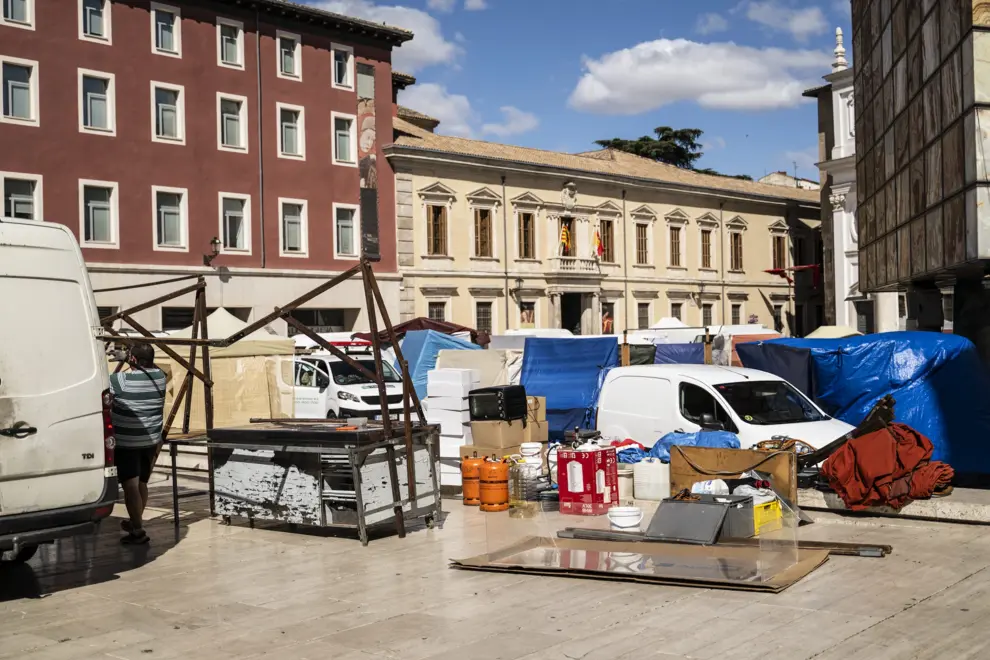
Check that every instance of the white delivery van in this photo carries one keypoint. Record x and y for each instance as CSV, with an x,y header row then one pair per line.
x,y
646,402
326,386
57,477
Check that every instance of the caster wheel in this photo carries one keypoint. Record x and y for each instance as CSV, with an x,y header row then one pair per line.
x,y
225,520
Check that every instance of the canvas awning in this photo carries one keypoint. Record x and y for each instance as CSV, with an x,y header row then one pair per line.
x,y
222,324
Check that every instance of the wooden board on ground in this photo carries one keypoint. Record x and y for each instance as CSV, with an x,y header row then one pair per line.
x,y
689,465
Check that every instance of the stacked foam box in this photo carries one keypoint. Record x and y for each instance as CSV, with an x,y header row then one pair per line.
x,y
447,405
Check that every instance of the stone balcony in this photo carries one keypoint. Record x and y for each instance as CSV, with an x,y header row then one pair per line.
x,y
575,266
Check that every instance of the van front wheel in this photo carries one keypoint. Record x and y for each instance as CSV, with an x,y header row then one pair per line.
x,y
22,556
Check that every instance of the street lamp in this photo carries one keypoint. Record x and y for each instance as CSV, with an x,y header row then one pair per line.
x,y
214,251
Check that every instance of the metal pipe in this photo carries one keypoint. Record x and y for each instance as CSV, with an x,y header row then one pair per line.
x,y
261,142
625,263
505,250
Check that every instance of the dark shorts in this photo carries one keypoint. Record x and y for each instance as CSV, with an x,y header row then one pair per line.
x,y
134,462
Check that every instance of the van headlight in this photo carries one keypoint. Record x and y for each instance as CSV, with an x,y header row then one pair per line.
x,y
347,396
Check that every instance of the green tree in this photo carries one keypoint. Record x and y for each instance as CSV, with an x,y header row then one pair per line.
x,y
678,147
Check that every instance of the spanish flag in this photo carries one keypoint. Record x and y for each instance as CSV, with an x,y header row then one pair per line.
x,y
599,247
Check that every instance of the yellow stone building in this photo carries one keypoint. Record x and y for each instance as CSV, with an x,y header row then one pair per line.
x,y
501,237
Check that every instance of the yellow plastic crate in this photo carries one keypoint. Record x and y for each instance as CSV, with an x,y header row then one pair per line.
x,y
767,517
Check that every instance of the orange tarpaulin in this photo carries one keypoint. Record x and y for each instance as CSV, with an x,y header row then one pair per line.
x,y
889,467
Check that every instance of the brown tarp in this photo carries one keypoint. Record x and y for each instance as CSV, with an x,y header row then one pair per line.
x,y
742,339
422,323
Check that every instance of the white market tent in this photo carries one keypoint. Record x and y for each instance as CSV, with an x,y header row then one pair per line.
x,y
833,332
222,324
668,322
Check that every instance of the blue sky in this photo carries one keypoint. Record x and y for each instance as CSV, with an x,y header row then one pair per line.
x,y
559,74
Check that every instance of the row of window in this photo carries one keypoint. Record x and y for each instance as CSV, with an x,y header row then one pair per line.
x,y
99,217
436,240
437,310
96,25
98,114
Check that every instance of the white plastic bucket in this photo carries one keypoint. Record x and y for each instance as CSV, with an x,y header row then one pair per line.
x,y
625,518
625,483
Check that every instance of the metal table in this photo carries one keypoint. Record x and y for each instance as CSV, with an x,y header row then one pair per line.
x,y
318,475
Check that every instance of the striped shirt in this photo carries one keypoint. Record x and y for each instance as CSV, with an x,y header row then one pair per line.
x,y
138,407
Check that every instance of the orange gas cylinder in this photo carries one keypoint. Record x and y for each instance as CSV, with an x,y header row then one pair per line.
x,y
470,473
494,485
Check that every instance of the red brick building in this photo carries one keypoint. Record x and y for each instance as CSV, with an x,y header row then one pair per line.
x,y
150,129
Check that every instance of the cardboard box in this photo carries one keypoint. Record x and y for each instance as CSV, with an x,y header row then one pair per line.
x,y
464,377
482,451
588,481
536,408
498,434
536,432
437,416
450,446
446,403
454,390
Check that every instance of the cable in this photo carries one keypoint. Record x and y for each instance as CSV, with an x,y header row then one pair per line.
x,y
722,473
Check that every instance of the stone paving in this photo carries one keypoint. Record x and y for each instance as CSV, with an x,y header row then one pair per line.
x,y
220,592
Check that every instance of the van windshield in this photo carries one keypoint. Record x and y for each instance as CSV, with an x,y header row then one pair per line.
x,y
345,374
769,402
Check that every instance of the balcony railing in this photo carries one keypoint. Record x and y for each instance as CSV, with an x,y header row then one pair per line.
x,y
575,266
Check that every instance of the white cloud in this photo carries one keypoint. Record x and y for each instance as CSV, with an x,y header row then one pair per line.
x,y
441,5
475,5
428,48
842,8
514,122
800,23
720,76
453,110
456,115
805,159
711,23
712,143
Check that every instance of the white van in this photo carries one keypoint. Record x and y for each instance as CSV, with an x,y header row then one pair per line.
x,y
57,477
326,386
646,402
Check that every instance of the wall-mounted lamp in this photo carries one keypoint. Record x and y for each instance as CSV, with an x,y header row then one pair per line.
x,y
214,251
515,292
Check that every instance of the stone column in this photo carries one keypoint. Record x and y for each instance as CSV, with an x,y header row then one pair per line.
x,y
886,312
553,300
971,315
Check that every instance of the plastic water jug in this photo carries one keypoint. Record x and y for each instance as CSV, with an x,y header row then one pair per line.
x,y
651,479
710,487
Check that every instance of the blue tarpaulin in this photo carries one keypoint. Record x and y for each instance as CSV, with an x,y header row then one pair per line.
x,y
569,373
940,385
420,348
679,354
661,448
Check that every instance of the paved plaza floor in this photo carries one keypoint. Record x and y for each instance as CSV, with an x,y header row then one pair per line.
x,y
217,592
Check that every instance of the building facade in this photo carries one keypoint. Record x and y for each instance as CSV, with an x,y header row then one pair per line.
x,y
240,141
789,181
922,93
499,237
846,304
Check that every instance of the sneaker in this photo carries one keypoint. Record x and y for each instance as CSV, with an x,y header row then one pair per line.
x,y
135,539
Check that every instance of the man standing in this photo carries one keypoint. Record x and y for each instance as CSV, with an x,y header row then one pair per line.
x,y
137,413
